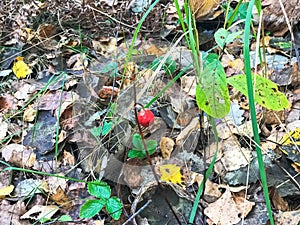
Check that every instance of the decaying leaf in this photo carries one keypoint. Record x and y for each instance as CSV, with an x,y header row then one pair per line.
x,y
205,8
3,129
291,217
166,147
223,211
235,156
41,212
29,187
19,155
211,193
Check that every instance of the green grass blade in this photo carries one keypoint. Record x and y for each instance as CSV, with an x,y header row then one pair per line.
x,y
253,111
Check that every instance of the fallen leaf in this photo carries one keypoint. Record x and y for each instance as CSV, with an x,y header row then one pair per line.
x,y
6,190
172,173
28,187
205,8
61,198
29,114
211,193
3,129
20,68
223,211
166,146
39,212
283,218
19,155
235,156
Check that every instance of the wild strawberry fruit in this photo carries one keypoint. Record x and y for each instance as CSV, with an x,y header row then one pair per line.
x,y
145,117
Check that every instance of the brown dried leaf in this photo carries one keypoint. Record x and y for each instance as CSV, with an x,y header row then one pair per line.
x,y
166,147
19,155
205,9
223,211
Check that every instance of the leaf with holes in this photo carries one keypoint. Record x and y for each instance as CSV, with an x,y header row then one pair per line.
x,y
266,92
224,37
211,91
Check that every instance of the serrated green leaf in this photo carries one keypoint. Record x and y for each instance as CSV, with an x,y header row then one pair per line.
x,y
137,141
211,93
266,92
99,189
114,207
90,208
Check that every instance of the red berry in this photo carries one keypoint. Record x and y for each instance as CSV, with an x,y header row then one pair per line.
x,y
145,117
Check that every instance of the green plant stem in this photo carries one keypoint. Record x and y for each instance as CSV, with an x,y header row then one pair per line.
x,y
207,174
11,168
253,111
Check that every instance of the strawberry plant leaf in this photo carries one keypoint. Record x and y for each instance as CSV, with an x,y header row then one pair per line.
x,y
266,92
137,141
139,151
136,153
90,208
211,91
151,146
99,189
114,207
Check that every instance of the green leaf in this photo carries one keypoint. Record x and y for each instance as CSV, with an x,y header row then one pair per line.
x,y
223,37
211,93
114,207
106,127
137,141
90,208
169,66
102,130
266,92
136,153
65,218
140,152
151,146
99,189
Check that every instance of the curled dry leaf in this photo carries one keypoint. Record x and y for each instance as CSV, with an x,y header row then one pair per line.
x,y
29,114
166,146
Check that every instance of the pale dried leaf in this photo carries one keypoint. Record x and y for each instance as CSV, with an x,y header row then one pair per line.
x,y
19,155
223,211
166,147
44,212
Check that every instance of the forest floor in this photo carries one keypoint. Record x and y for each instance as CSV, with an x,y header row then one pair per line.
x,y
77,82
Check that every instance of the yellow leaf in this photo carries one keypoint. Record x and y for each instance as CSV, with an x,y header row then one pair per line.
x,y
172,173
20,68
6,190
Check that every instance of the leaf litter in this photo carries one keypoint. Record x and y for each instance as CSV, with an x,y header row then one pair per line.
x,y
68,110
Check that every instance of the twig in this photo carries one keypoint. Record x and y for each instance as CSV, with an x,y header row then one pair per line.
x,y
137,212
